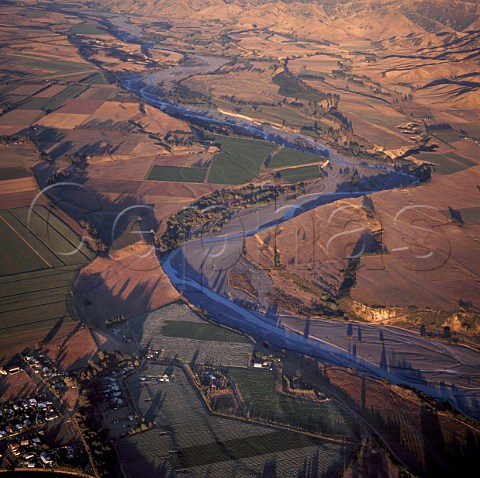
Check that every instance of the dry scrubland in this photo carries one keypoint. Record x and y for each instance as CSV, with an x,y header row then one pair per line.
x,y
385,76
429,259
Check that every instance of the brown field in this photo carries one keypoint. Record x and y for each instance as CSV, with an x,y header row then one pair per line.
x,y
130,169
80,106
62,120
245,85
18,192
114,111
20,155
156,121
24,342
166,57
27,90
13,387
51,91
450,274
185,160
73,351
17,120
129,282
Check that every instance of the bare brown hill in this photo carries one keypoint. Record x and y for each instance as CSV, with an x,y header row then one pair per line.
x,y
328,19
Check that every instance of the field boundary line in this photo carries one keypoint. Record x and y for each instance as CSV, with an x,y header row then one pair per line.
x,y
49,266
65,238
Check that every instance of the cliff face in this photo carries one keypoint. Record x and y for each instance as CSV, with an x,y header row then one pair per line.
x,y
377,314
462,322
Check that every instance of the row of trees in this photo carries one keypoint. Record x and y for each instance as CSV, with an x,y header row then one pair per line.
x,y
208,214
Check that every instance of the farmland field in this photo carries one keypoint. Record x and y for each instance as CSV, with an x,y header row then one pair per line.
x,y
180,332
258,389
16,160
39,267
291,87
192,330
176,174
239,161
469,215
300,174
448,163
87,29
290,157
219,447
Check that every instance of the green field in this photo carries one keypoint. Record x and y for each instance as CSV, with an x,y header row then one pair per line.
x,y
102,94
71,91
219,447
87,29
50,66
447,163
304,173
258,389
37,271
239,161
470,215
291,87
290,157
177,174
448,135
96,79
200,331
44,104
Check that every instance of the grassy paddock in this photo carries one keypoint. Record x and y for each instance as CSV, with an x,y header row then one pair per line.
x,y
290,157
176,174
88,29
304,173
447,163
239,161
238,449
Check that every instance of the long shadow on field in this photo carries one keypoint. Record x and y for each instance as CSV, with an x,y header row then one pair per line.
x,y
429,442
270,469
53,331
111,208
155,405
97,300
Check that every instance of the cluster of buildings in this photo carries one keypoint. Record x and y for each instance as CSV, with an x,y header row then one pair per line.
x,y
45,368
153,354
25,414
262,363
112,392
30,453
